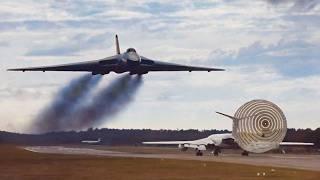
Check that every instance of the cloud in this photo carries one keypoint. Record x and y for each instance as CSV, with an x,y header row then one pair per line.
x,y
79,7
304,5
71,45
291,58
158,7
4,44
21,93
296,5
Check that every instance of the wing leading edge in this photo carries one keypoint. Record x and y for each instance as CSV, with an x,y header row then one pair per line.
x,y
90,66
204,141
296,144
153,65
169,142
112,64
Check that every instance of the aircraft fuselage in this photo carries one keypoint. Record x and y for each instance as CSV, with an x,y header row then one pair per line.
x,y
128,61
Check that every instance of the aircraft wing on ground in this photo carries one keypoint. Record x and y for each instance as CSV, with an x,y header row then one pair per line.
x,y
207,141
168,142
199,145
204,141
295,144
196,142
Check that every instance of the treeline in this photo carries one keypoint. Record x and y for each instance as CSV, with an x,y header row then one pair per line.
x,y
304,135
136,136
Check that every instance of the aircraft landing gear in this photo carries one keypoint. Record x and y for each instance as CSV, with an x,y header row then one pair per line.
x,y
245,153
199,153
216,151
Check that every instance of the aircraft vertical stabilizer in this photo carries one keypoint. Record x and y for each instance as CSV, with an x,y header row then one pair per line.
x,y
117,45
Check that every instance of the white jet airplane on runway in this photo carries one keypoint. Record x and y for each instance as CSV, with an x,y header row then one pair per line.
x,y
215,142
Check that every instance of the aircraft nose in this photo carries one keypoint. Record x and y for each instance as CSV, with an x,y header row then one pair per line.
x,y
133,57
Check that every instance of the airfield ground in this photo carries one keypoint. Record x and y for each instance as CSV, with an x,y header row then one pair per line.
x,y
298,161
18,163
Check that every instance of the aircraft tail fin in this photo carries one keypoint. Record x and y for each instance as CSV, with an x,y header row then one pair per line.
x,y
226,115
238,119
117,44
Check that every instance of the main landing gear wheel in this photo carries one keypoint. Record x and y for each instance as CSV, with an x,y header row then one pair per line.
x,y
245,153
199,153
216,151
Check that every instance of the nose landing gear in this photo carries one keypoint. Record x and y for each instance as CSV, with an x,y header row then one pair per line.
x,y
216,151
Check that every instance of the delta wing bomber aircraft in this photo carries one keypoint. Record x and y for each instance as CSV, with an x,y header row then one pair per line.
x,y
258,126
129,61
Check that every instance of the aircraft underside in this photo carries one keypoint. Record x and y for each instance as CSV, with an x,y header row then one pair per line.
x,y
121,69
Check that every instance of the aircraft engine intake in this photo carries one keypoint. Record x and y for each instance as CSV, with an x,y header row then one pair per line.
x,y
138,72
259,126
182,147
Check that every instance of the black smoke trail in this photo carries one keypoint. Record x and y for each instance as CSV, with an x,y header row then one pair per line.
x,y
52,118
107,103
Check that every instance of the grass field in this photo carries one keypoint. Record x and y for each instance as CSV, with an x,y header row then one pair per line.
x,y
16,163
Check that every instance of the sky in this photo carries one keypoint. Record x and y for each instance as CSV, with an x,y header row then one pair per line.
x,y
269,48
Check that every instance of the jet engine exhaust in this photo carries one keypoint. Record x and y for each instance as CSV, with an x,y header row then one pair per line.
x,y
53,117
107,103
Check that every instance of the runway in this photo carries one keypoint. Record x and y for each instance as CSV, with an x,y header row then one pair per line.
x,y
306,162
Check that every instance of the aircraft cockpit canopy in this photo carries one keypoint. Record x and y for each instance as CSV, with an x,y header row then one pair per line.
x,y
131,50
